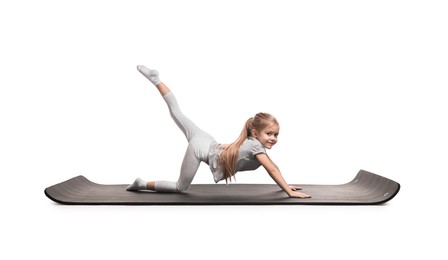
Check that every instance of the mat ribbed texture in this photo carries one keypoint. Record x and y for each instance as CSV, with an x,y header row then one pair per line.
x,y
365,189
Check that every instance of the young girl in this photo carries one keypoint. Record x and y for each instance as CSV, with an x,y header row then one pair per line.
x,y
248,152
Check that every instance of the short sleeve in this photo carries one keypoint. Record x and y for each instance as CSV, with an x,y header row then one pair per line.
x,y
256,147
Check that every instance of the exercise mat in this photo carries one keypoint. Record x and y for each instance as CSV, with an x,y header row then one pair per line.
x,y
365,189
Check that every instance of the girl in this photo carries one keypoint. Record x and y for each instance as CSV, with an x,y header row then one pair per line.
x,y
248,152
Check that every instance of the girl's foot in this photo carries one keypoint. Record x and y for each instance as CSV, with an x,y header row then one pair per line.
x,y
138,184
152,75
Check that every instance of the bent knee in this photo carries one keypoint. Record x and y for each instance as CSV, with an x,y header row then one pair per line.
x,y
181,188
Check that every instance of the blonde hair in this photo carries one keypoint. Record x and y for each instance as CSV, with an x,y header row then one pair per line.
x,y
229,154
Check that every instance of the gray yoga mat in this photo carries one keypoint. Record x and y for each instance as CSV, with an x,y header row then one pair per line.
x,y
365,189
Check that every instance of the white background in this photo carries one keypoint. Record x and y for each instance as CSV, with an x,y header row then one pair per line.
x,y
354,84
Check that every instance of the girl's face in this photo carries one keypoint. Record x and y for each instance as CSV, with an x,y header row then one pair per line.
x,y
268,136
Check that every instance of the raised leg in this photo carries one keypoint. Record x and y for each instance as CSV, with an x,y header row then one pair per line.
x,y
197,150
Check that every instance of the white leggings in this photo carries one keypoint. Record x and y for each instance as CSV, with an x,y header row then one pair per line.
x,y
199,143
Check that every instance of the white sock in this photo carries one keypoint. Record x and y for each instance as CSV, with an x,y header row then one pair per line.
x,y
138,184
152,75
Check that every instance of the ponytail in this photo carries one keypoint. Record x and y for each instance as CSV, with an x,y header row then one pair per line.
x,y
229,154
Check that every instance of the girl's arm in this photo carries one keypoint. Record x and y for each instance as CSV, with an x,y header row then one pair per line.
x,y
276,175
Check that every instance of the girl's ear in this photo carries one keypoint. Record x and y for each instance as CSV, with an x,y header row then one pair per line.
x,y
254,133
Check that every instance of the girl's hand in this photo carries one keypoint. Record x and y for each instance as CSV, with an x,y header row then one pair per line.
x,y
295,188
296,194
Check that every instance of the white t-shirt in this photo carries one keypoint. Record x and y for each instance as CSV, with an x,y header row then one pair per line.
x,y
246,159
